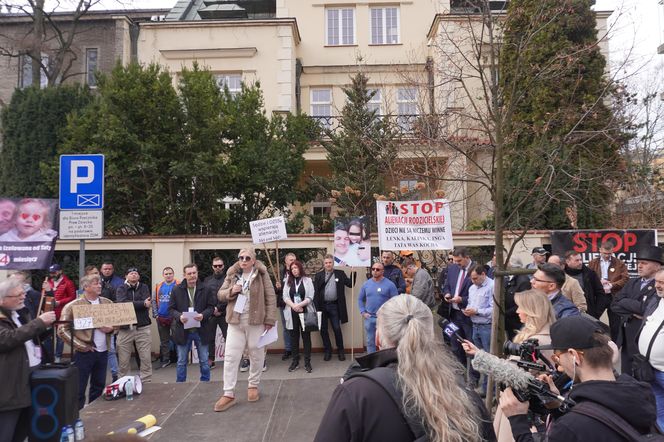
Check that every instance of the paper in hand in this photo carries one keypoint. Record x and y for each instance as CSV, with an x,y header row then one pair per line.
x,y
268,337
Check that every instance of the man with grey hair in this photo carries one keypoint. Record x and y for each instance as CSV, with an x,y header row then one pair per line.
x,y
91,355
18,354
32,296
422,285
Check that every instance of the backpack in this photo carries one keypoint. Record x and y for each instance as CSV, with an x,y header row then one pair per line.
x,y
384,376
616,422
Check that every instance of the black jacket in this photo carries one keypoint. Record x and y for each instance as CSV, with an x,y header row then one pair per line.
x,y
342,281
213,283
630,399
361,410
592,288
137,296
516,284
394,274
203,303
631,301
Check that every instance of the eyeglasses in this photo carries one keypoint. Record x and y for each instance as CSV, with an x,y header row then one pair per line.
x,y
543,280
376,269
244,258
217,266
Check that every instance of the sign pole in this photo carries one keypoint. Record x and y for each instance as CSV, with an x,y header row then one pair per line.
x,y
278,272
81,260
352,317
269,259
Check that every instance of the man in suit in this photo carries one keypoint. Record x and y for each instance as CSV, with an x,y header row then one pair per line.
x,y
630,301
613,275
455,298
330,298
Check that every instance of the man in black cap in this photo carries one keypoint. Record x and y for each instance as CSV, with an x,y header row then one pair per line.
x,y
631,301
128,335
582,350
539,258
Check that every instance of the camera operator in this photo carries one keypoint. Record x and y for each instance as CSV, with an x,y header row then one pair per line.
x,y
583,352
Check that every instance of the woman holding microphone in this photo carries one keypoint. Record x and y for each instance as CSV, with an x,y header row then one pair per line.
x,y
251,311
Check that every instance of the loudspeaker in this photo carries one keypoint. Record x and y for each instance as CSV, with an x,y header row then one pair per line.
x,y
54,391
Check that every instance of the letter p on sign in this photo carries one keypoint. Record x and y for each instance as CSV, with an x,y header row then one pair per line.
x,y
82,172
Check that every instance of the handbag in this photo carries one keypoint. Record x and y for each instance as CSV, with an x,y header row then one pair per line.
x,y
310,318
641,368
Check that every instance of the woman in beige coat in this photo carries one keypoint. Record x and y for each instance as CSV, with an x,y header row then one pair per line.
x,y
251,311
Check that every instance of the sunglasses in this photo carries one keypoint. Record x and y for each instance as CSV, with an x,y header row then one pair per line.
x,y
217,266
244,258
376,269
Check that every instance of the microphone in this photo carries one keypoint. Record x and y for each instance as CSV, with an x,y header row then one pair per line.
x,y
505,372
450,329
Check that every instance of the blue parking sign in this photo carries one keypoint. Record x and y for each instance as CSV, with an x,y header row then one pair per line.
x,y
81,182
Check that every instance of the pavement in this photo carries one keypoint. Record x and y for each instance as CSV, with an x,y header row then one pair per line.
x,y
290,407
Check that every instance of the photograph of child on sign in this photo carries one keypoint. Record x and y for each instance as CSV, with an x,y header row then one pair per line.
x,y
352,243
28,219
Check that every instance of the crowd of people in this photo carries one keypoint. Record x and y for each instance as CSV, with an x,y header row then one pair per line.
x,y
411,382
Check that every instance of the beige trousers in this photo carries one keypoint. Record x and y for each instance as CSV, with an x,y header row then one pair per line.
x,y
143,339
240,335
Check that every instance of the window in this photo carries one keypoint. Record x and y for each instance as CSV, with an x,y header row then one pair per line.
x,y
407,185
321,208
406,107
25,79
384,26
376,102
321,106
91,66
232,81
340,26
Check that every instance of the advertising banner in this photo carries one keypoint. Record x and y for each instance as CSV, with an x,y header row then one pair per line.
x,y
587,242
414,225
28,229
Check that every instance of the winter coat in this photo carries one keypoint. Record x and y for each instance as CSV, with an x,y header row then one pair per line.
x,y
137,296
203,303
14,362
596,299
262,302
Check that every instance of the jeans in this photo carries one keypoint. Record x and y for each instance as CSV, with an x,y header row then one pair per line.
x,y
183,358
331,312
91,366
482,336
370,329
287,339
658,391
113,357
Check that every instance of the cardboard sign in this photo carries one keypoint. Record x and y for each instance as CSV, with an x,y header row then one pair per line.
x,y
268,230
414,225
103,315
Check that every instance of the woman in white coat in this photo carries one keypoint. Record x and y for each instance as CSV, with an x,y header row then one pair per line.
x,y
298,294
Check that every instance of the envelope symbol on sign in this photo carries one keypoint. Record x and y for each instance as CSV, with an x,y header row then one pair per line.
x,y
88,200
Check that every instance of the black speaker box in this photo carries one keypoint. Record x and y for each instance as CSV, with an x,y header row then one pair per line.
x,y
54,390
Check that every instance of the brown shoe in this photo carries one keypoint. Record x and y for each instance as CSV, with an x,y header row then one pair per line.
x,y
252,394
224,403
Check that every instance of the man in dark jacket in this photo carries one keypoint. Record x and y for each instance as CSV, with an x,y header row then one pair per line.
x,y
613,276
18,352
596,299
191,301
213,283
330,298
392,272
583,351
109,284
630,301
139,295
550,278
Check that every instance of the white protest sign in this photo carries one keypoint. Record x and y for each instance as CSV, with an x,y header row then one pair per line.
x,y
414,225
268,230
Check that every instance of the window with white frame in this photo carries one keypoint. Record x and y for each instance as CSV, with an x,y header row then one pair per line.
x,y
323,208
376,102
231,81
384,25
91,66
406,107
25,79
407,185
321,105
340,26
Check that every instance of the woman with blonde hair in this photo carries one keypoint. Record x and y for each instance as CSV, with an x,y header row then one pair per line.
x,y
430,398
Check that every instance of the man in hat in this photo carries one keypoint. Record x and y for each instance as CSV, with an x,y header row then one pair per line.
x,y
583,352
539,258
63,291
139,334
630,302
613,275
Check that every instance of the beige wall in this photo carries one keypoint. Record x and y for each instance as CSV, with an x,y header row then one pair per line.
x,y
259,50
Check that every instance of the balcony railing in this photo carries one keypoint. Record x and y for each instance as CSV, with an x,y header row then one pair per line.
x,y
405,125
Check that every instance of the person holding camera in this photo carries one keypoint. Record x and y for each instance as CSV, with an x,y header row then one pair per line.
x,y
606,409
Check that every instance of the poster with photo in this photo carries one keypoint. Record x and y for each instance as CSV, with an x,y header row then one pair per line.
x,y
28,230
414,225
352,242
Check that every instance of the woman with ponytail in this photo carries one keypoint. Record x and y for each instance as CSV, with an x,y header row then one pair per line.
x,y
425,398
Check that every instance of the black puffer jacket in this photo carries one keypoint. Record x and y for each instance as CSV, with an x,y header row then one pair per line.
x,y
630,399
136,295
